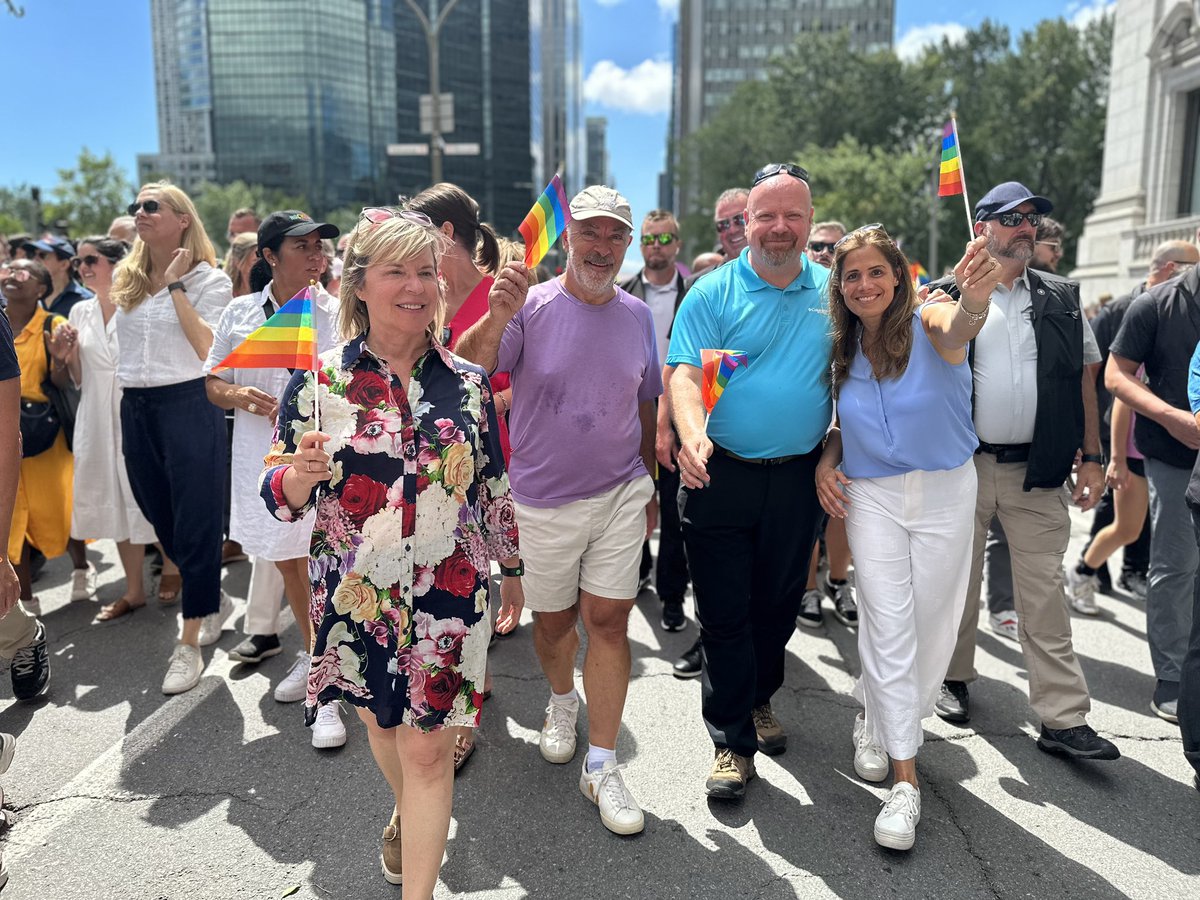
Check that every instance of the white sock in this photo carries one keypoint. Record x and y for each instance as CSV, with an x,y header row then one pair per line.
x,y
571,696
598,756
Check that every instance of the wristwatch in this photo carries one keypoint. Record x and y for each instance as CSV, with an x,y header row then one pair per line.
x,y
1096,458
513,571
176,286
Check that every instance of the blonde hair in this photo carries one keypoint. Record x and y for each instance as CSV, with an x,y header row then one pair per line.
x,y
240,247
393,240
514,251
131,281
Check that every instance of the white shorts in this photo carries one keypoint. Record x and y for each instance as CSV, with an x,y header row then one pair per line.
x,y
594,544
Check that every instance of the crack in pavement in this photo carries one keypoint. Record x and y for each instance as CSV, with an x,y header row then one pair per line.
x,y
980,860
142,798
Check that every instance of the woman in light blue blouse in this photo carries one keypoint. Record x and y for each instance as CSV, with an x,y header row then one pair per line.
x,y
906,488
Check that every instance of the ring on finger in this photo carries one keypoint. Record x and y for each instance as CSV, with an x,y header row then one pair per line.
x,y
252,408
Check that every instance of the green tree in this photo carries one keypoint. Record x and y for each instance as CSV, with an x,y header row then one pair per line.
x,y
89,196
17,211
215,202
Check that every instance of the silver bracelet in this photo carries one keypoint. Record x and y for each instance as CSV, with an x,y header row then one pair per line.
x,y
975,318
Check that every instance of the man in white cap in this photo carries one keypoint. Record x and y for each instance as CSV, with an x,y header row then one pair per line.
x,y
585,375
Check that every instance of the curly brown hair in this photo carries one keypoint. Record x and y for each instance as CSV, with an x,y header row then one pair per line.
x,y
890,353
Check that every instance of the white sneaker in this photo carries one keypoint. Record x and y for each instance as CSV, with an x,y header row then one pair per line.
x,y
896,824
210,627
870,760
606,788
557,741
1081,591
183,671
83,583
328,731
1005,624
295,684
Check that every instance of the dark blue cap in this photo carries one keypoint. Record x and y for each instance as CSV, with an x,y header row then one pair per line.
x,y
1006,197
60,246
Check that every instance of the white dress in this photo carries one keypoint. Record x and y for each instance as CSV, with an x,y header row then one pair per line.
x,y
261,534
104,506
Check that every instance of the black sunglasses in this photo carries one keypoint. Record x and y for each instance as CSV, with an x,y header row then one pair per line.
x,y
1013,219
723,225
664,239
772,169
874,226
821,246
89,260
150,206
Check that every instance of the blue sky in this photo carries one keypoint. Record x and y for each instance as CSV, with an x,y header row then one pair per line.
x,y
79,72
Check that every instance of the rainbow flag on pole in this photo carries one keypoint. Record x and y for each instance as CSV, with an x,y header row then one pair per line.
x,y
545,222
950,180
717,367
287,340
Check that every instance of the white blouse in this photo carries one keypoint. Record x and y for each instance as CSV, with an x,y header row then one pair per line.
x,y
154,349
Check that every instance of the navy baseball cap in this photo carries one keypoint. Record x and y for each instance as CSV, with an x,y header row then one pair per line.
x,y
59,246
1006,197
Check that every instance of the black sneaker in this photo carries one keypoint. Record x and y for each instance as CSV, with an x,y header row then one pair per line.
x,y
954,703
810,609
672,615
845,608
689,665
30,667
256,648
1080,742
1165,702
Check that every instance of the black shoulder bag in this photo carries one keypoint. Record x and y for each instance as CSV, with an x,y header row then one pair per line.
x,y
40,422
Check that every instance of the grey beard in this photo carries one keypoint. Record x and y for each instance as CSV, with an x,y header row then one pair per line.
x,y
593,282
776,259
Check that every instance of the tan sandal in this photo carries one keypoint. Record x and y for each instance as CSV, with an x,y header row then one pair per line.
x,y
115,610
463,748
169,587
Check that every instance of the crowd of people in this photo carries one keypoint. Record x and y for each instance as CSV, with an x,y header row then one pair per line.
x,y
904,433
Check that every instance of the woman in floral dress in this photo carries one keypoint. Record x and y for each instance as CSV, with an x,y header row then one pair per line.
x,y
412,503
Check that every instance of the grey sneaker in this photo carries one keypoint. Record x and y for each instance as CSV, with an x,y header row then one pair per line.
x,y
1081,591
810,609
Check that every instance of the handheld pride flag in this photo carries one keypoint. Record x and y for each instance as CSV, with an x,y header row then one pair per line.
x,y
545,222
951,177
918,274
287,340
717,367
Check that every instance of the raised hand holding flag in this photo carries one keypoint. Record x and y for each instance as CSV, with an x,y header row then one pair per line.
x,y
545,222
716,368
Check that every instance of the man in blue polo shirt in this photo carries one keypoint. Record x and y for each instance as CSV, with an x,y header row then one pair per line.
x,y
750,510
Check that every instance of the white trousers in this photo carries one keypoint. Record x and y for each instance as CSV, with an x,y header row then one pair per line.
x,y
911,538
263,597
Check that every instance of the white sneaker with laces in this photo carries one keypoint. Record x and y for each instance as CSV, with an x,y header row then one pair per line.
x,y
83,583
1005,624
871,761
1081,591
295,683
210,627
328,731
896,824
557,741
606,788
183,671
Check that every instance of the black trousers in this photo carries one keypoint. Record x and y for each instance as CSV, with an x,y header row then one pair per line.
x,y
671,577
749,536
1189,678
176,457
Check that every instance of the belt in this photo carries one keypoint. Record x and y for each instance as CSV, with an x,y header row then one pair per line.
x,y
1006,453
772,461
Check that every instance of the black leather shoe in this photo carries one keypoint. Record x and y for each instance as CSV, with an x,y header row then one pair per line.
x,y
672,616
954,703
1080,742
256,648
689,665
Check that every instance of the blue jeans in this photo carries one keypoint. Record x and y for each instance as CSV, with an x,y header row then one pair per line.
x,y
1173,561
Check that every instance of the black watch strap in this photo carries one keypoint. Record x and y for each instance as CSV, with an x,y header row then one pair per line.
x,y
513,571
176,286
1096,458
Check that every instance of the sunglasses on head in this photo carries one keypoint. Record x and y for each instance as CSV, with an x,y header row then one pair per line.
x,y
723,225
664,239
822,246
90,260
874,226
1013,219
150,207
772,169
377,215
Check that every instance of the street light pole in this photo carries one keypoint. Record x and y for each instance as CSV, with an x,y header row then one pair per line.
x,y
432,41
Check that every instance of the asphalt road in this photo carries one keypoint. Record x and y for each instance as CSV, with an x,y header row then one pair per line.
x,y
119,792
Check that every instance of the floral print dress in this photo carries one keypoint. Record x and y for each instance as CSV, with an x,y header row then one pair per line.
x,y
399,563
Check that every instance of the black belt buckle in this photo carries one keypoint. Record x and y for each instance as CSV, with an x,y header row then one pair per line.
x,y
1006,453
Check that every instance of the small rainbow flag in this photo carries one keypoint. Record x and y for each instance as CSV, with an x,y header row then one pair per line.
x,y
717,367
545,222
950,180
287,340
918,274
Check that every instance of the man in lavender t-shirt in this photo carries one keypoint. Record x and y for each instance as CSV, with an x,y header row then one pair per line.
x,y
585,375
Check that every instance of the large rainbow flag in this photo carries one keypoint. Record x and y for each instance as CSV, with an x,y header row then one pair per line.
x,y
717,367
287,340
545,222
950,180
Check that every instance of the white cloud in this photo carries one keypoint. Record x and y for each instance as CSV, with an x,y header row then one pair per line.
x,y
646,88
669,8
1082,13
917,38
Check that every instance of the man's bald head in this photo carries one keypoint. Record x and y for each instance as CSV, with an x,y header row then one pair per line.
x,y
1171,258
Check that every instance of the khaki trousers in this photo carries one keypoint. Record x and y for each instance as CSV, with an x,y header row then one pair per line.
x,y
16,631
1038,527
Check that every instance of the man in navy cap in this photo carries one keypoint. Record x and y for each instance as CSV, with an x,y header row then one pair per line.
x,y
57,255
1035,409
